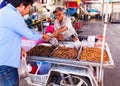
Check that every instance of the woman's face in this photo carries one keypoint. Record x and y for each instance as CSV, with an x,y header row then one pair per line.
x,y
59,16
25,10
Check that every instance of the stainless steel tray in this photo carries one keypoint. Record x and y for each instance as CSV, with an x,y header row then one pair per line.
x,y
69,45
43,49
65,44
77,63
63,52
105,64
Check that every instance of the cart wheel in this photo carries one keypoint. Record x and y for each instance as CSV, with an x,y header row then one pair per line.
x,y
84,81
77,81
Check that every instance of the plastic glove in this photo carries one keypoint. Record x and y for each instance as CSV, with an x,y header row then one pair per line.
x,y
39,41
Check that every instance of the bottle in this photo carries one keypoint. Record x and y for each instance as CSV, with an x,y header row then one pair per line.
x,y
76,41
29,68
74,38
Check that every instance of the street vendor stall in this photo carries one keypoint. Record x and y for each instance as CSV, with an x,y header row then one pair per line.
x,y
70,64
67,60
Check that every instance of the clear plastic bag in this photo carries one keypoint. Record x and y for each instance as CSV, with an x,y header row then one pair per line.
x,y
23,69
53,41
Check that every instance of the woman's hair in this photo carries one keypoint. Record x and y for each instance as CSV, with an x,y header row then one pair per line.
x,y
3,3
17,3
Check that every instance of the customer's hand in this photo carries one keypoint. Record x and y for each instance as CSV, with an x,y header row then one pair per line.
x,y
46,37
23,53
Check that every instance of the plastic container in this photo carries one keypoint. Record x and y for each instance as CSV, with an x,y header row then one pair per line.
x,y
45,23
44,68
34,69
36,80
100,37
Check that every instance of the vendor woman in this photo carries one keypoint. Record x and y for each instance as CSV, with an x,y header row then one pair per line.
x,y
63,28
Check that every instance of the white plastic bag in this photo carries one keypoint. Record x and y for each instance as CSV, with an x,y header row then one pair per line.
x,y
23,69
53,41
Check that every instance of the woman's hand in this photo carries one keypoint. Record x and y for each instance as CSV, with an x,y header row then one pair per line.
x,y
46,37
55,33
60,37
23,53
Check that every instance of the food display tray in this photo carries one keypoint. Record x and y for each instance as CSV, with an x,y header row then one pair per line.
x,y
43,49
62,44
77,63
105,64
65,56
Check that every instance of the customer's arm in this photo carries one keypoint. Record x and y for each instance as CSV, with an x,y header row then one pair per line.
x,y
19,26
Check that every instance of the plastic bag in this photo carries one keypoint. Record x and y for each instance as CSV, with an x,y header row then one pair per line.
x,y
53,41
23,69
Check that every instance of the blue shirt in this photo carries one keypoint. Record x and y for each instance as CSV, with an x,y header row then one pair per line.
x,y
12,28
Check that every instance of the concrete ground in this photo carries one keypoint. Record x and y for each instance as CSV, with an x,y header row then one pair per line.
x,y
111,76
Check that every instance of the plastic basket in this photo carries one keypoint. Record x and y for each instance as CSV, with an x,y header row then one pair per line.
x,y
36,80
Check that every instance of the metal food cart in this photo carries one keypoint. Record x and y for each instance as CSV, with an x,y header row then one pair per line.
x,y
67,72
86,72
